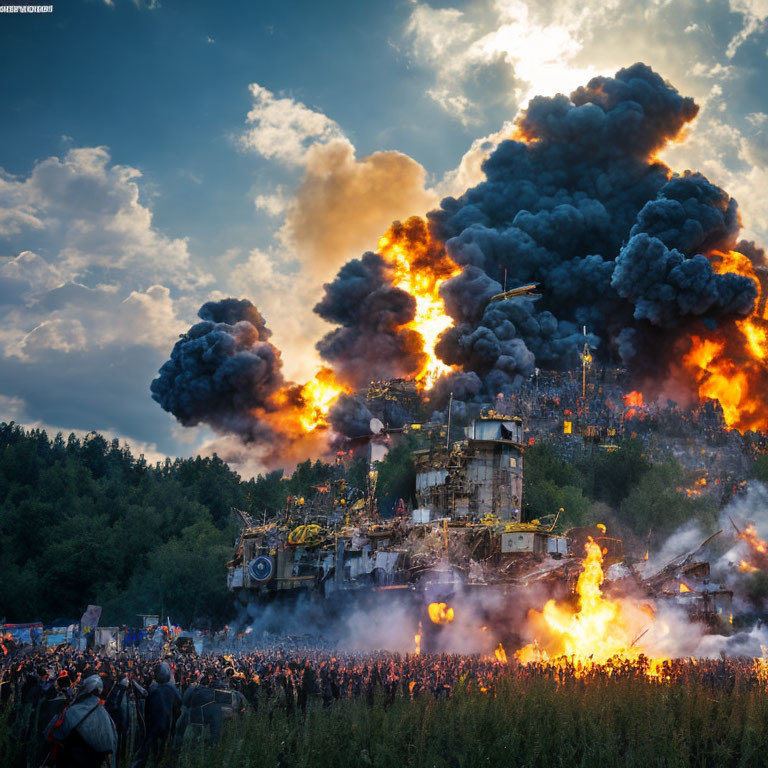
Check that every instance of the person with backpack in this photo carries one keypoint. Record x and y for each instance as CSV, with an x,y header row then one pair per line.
x,y
83,735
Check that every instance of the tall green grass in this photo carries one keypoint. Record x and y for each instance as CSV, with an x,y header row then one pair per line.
x,y
526,723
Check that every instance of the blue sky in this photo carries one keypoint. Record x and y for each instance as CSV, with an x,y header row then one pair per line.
x,y
157,155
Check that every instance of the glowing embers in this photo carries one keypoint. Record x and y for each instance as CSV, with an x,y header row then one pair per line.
x,y
440,613
597,630
730,364
420,266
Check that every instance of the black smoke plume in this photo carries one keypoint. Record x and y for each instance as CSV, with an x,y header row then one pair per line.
x,y
370,342
579,205
222,371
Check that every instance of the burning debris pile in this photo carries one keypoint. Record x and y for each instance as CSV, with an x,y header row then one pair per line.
x,y
463,573
599,629
647,261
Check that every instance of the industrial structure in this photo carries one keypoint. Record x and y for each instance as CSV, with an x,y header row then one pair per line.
x,y
465,534
479,476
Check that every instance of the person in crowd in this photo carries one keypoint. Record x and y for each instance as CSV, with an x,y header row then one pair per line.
x,y
83,735
161,710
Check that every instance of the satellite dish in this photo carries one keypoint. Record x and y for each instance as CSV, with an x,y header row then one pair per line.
x,y
376,425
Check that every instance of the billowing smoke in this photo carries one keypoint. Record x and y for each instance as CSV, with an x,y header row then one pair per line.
x,y
371,342
223,371
578,204
350,417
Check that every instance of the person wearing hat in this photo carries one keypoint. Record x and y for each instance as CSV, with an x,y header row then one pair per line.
x,y
83,736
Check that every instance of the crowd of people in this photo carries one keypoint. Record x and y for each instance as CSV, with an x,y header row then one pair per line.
x,y
82,708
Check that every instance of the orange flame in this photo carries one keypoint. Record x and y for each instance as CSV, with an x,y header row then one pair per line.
x,y
750,535
632,401
730,366
598,630
304,408
501,654
417,641
757,558
420,266
684,588
440,613
319,395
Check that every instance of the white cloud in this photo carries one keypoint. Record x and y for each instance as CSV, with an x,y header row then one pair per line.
x,y
273,203
754,13
102,274
73,317
16,212
503,48
12,408
27,274
92,299
542,55
89,214
283,129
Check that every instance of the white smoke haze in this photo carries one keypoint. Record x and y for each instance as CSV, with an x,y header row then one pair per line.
x,y
683,540
750,644
671,634
389,620
751,508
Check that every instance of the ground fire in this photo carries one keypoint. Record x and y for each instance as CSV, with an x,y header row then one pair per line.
x,y
596,630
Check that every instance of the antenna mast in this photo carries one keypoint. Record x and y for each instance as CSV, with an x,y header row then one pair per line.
x,y
586,359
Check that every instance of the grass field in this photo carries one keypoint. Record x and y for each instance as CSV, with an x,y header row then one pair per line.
x,y
531,723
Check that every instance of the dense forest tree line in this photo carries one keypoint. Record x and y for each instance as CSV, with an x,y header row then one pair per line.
x,y
84,521
638,500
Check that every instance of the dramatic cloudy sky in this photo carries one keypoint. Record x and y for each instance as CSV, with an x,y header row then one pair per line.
x,y
155,155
